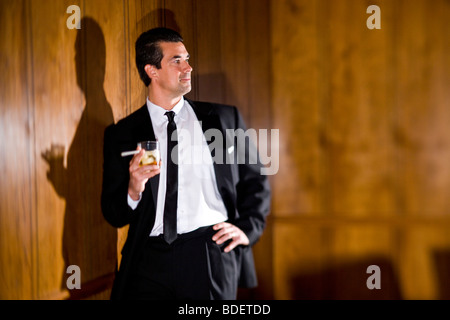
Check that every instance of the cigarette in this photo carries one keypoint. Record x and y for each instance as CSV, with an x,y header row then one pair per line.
x,y
129,153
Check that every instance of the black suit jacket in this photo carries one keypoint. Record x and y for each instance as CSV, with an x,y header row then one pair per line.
x,y
244,190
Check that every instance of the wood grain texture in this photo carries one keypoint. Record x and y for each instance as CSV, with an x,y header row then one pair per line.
x,y
64,87
17,219
364,137
363,117
423,101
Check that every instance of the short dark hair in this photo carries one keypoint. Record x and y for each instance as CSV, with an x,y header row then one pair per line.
x,y
148,50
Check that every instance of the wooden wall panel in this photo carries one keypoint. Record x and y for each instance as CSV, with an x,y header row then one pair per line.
x,y
61,89
208,74
57,111
296,112
71,85
258,66
364,147
70,120
107,92
423,101
17,221
361,155
327,89
234,44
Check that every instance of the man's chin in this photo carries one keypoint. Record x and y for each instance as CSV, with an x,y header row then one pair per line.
x,y
186,90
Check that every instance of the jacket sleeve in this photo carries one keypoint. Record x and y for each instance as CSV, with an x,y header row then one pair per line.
x,y
115,182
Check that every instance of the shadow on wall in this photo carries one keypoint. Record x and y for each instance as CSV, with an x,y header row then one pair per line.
x,y
158,18
348,281
441,260
88,240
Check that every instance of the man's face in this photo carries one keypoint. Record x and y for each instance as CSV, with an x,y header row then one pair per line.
x,y
174,77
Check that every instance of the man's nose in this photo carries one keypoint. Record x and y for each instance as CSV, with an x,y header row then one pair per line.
x,y
187,67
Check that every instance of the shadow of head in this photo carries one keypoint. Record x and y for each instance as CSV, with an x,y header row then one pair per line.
x,y
159,18
90,54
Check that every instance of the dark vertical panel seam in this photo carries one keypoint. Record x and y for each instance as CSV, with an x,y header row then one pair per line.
x,y
322,40
324,73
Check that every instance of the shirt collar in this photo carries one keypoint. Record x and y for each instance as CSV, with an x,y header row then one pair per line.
x,y
157,113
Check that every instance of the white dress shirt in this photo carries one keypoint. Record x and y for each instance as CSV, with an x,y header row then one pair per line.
x,y
199,200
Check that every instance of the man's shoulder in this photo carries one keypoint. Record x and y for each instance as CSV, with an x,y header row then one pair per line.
x,y
126,125
132,118
207,106
210,104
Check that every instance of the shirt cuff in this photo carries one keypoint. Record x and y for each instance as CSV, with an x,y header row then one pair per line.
x,y
134,203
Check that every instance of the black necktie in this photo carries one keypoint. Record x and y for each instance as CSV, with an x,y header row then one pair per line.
x,y
170,206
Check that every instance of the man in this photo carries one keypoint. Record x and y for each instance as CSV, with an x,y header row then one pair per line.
x,y
217,203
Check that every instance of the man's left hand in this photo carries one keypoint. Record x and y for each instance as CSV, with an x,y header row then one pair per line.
x,y
229,231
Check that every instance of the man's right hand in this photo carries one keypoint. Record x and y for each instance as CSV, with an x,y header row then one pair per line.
x,y
139,175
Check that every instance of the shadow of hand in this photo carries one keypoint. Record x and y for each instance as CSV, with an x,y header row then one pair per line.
x,y
56,173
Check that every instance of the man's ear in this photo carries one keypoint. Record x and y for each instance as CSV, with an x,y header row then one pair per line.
x,y
151,71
